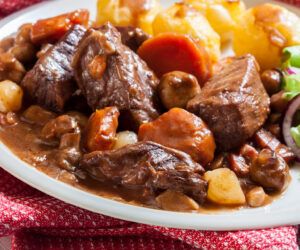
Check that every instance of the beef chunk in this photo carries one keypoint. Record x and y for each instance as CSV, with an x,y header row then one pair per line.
x,y
110,74
132,37
233,103
265,139
149,166
51,81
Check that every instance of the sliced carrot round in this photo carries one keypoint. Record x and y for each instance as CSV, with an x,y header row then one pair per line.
x,y
171,51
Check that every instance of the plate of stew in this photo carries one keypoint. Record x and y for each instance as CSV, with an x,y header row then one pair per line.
x,y
182,115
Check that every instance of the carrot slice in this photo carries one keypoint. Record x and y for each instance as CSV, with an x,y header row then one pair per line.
x,y
100,132
52,29
171,51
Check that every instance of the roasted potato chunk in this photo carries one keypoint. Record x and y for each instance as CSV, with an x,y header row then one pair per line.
x,y
177,88
181,130
145,19
264,31
128,12
11,96
184,19
222,15
224,187
176,201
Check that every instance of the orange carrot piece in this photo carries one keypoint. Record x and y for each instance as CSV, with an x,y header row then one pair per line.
x,y
181,130
52,29
171,51
100,132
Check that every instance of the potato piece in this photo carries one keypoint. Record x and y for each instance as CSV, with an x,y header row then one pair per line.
x,y
177,88
100,132
224,187
176,201
125,138
264,31
182,18
222,15
11,96
181,130
128,12
145,19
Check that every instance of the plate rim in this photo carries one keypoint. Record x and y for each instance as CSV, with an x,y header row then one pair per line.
x,y
120,210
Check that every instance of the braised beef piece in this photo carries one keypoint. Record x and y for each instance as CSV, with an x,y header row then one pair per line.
x,y
56,128
132,37
110,74
149,166
69,154
270,170
265,139
51,81
233,103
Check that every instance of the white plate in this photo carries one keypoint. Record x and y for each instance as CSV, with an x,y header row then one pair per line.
x,y
284,211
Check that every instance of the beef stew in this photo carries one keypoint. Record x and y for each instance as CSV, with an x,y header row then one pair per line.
x,y
96,116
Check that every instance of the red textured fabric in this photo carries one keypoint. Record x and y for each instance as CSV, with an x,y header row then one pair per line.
x,y
38,221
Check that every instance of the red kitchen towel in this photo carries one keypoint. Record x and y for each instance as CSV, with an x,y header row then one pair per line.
x,y
38,221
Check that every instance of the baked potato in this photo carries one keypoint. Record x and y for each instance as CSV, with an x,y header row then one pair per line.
x,y
184,19
128,12
224,187
11,96
223,15
264,31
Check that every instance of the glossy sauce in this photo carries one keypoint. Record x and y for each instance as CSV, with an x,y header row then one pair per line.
x,y
23,140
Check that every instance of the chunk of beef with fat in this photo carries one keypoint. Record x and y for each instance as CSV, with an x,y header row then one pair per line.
x,y
149,166
132,37
233,103
110,74
51,81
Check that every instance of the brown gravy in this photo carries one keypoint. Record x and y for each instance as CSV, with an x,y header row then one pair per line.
x,y
23,140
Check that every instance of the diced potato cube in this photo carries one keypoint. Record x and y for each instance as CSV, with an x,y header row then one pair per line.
x,y
224,187
114,12
125,138
184,19
264,31
145,19
176,201
11,96
222,15
127,12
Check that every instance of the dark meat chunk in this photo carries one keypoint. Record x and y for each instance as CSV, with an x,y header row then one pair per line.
x,y
149,166
57,128
37,115
110,74
11,68
69,154
270,170
265,139
233,103
132,37
249,153
51,81
238,165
